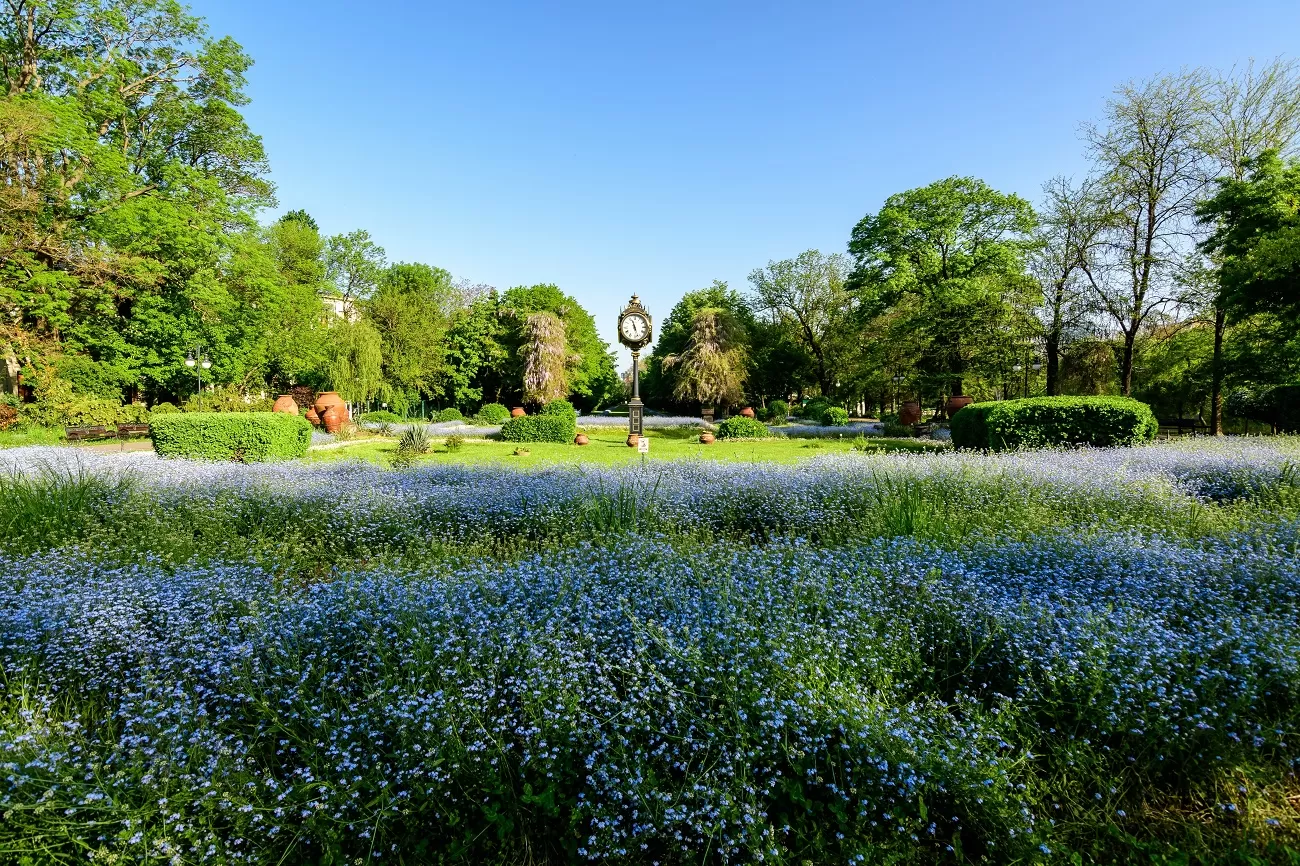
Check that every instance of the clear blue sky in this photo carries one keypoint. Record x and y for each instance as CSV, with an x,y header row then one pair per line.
x,y
614,147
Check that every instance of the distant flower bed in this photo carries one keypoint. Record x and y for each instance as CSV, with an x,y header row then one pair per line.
x,y
650,421
820,431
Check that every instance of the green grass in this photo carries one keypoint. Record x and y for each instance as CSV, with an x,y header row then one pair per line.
x,y
17,438
609,447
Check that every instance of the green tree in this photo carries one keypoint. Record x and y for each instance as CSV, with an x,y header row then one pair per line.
x,y
659,382
593,378
942,269
808,296
712,367
353,265
411,309
356,364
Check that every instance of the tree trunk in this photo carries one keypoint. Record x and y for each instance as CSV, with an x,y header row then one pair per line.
x,y
1053,349
1216,366
1126,367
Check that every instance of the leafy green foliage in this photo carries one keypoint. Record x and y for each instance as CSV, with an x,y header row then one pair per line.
x,y
835,416
451,413
415,440
454,442
492,414
163,408
239,436
380,416
227,399
539,428
1039,422
560,409
740,427
775,411
1278,406
814,409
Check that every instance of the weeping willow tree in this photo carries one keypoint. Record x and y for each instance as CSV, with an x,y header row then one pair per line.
x,y
546,358
356,368
711,369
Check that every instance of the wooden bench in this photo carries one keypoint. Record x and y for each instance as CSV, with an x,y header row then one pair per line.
x,y
81,434
126,431
1183,426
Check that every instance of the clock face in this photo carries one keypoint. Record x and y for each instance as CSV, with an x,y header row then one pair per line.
x,y
634,327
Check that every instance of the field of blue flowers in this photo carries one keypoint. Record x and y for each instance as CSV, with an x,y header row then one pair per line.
x,y
1057,657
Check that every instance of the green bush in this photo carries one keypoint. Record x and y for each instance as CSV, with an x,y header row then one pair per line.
x,y
164,408
777,410
560,409
449,414
1278,406
492,414
539,428
814,409
381,416
415,440
1041,422
835,417
242,436
740,427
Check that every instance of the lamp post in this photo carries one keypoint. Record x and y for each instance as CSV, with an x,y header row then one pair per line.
x,y
898,383
198,360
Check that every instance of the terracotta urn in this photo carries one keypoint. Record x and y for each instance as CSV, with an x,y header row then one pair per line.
x,y
632,440
706,438
910,413
517,412
581,439
313,417
747,412
957,402
326,400
334,418
284,403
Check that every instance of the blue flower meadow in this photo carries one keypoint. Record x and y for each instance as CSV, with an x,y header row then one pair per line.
x,y
850,660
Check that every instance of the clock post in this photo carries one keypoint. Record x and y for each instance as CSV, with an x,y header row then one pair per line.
x,y
634,331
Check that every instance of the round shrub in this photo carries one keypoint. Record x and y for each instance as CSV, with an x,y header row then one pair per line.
x,y
777,410
560,409
1044,422
740,427
163,408
451,413
492,414
240,436
814,409
539,428
835,417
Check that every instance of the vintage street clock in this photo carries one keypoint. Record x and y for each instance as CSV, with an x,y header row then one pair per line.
x,y
635,330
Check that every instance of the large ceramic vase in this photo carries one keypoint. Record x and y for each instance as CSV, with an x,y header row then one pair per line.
x,y
334,418
517,412
747,412
909,413
632,440
326,400
581,439
706,438
313,417
957,402
285,403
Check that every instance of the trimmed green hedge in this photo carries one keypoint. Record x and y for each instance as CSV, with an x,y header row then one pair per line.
x,y
242,436
381,416
1043,422
539,428
740,427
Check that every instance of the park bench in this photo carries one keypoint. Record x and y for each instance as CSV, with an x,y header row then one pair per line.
x,y
1182,426
81,434
127,431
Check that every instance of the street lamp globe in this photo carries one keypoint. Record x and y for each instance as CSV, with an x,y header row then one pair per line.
x,y
189,360
207,365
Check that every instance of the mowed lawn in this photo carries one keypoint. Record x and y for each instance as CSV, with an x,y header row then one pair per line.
x,y
609,447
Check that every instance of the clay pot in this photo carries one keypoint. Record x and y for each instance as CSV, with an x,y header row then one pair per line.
x,y
313,417
910,413
747,412
957,402
706,438
334,418
326,400
632,440
284,403
581,439
517,412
